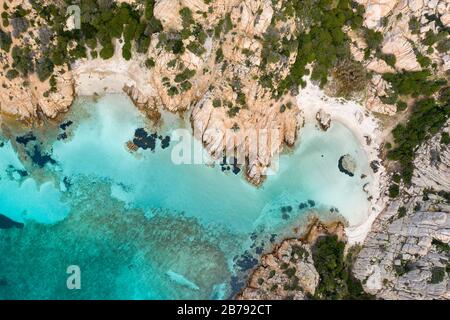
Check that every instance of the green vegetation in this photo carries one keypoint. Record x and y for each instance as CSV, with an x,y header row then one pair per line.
x,y
22,60
149,63
44,68
373,39
441,246
217,103
5,41
394,190
12,74
423,60
437,275
390,59
443,45
414,25
445,138
336,281
350,77
427,118
401,106
5,19
401,212
101,23
319,40
403,267
413,83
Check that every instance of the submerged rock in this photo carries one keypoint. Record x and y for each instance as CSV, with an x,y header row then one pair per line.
x,y
7,223
347,165
65,125
39,158
26,138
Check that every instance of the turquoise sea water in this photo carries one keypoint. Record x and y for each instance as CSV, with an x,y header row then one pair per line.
x,y
141,227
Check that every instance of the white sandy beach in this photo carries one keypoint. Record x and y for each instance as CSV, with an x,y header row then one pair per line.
x,y
98,76
365,128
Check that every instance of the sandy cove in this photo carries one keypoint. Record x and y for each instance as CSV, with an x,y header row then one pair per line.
x,y
366,128
111,76
98,76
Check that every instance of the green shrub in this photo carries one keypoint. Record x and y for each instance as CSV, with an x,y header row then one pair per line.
x,y
394,190
126,51
414,25
22,60
401,212
414,83
427,118
149,63
424,61
217,103
271,274
5,41
107,51
196,48
12,74
44,68
185,75
390,59
290,272
443,46
373,38
445,138
336,281
441,246
437,275
401,106
396,178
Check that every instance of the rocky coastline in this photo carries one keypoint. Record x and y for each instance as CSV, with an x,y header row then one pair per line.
x,y
405,240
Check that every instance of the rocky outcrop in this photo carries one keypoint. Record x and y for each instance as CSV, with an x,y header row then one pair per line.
x,y
26,97
143,102
347,165
407,253
323,120
404,26
232,113
289,272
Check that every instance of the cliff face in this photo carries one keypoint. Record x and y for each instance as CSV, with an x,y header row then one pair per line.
x,y
25,96
407,253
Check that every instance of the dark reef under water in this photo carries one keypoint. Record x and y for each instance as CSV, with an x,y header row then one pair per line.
x,y
142,139
7,223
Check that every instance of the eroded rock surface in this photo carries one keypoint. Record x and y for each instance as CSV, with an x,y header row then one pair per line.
x,y
25,96
407,253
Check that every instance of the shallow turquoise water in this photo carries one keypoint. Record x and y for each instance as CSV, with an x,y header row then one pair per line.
x,y
141,227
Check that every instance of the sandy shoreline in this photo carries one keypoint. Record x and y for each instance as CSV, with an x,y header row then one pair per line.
x,y
100,76
365,128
